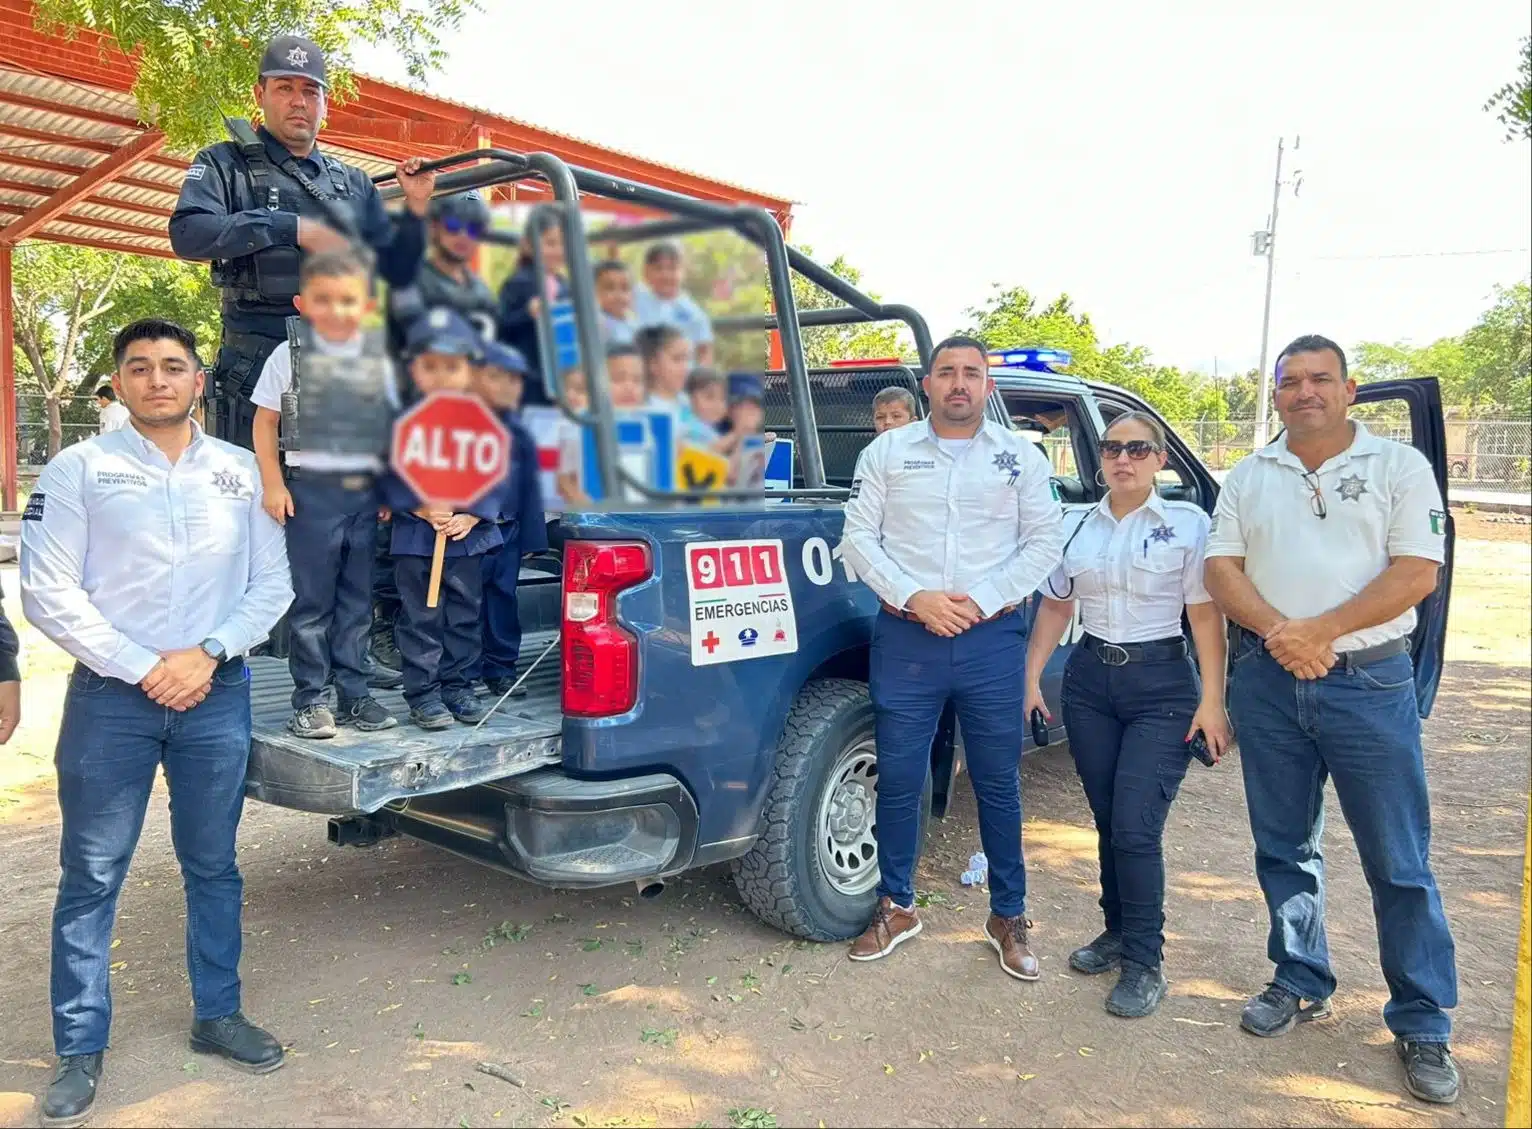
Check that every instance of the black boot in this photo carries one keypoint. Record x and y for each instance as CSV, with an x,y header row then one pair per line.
x,y
241,1042
73,1092
1101,955
1139,990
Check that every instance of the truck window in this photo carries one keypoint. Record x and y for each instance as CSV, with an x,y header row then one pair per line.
x,y
1056,427
842,399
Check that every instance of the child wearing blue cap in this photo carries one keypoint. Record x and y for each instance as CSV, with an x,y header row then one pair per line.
x,y
438,646
499,381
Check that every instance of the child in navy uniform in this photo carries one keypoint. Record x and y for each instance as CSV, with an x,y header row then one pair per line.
x,y
438,646
499,382
345,391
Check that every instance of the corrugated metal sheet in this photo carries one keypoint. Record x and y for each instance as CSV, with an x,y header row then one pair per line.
x,y
75,95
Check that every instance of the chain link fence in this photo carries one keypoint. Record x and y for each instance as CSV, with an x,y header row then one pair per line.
x,y
79,420
1487,454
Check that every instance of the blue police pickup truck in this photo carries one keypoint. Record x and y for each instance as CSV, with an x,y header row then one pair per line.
x,y
697,675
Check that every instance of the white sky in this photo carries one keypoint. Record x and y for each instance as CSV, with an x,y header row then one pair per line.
x,y
1120,152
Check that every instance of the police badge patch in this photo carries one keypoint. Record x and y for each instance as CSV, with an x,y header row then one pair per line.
x,y
856,488
34,510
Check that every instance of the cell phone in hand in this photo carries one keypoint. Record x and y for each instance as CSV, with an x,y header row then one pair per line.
x,y
1039,727
1198,747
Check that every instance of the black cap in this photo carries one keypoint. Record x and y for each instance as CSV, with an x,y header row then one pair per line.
x,y
467,206
292,56
442,330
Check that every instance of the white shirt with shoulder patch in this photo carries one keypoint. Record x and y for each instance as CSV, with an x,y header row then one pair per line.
x,y
1133,577
975,517
1381,501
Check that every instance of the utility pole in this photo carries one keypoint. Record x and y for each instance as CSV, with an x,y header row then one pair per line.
x,y
1265,242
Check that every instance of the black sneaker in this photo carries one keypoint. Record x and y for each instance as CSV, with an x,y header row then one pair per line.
x,y
497,688
432,715
1429,1072
383,677
1138,992
313,723
366,714
1276,1010
239,1041
1101,955
73,1091
466,708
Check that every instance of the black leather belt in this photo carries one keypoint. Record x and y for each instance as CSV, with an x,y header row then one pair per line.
x,y
1347,660
1121,654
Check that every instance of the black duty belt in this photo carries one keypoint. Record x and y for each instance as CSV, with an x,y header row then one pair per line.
x,y
1347,660
1121,654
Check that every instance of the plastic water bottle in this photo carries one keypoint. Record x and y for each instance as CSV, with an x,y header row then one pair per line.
x,y
978,870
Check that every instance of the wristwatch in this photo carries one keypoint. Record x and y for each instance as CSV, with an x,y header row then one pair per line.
x,y
213,649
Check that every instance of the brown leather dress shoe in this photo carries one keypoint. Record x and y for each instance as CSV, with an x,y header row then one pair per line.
x,y
1008,937
890,927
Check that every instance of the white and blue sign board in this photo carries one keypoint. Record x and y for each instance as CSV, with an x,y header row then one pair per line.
x,y
646,450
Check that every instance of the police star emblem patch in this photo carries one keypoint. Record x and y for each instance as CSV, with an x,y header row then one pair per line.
x,y
1352,487
228,483
1164,534
1006,461
298,57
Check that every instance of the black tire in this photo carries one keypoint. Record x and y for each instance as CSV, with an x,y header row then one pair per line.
x,y
781,879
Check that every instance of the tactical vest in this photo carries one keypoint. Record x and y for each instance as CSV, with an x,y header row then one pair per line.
x,y
270,277
337,404
432,288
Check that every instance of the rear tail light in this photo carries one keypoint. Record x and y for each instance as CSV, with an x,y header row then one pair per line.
x,y
600,655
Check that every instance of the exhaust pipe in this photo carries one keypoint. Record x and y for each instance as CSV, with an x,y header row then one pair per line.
x,y
650,887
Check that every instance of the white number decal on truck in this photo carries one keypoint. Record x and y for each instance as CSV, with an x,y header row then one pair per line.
x,y
818,562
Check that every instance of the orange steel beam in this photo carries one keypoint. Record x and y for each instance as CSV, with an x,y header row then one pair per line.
x,y
9,429
102,117
41,165
67,197
82,221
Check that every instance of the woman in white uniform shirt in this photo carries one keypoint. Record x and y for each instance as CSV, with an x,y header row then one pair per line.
x,y
1132,699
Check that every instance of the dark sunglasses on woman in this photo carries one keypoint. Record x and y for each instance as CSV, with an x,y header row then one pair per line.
x,y
456,226
1138,449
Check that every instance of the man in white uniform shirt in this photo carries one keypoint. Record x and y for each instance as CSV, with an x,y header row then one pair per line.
x,y
952,523
146,555
1322,544
113,414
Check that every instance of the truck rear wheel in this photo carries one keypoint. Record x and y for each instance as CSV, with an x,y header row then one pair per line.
x,y
814,871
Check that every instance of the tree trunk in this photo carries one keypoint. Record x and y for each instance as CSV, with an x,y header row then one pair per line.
x,y
55,426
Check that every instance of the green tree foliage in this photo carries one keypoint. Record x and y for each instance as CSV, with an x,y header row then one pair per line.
x,y
864,341
1483,372
1512,103
70,302
198,58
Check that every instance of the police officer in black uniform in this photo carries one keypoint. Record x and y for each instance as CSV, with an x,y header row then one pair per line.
x,y
253,205
446,277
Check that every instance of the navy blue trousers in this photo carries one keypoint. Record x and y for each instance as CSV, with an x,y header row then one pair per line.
x,y
330,551
912,677
440,645
1127,732
502,618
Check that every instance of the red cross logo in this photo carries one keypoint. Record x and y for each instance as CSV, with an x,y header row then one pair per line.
x,y
710,642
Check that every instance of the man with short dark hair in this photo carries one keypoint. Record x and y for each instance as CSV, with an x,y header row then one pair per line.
x,y
146,554
253,209
1322,544
952,523
113,414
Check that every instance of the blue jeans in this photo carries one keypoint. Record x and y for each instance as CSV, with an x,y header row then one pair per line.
x,y
330,546
111,740
1358,726
1127,733
913,675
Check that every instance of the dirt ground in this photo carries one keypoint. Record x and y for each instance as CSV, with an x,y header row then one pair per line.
x,y
392,972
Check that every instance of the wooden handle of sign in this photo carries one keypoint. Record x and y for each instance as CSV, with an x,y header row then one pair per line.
x,y
438,555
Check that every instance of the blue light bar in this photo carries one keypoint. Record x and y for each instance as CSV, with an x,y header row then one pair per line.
x,y
1034,360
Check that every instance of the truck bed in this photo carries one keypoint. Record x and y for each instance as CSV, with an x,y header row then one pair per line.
x,y
361,772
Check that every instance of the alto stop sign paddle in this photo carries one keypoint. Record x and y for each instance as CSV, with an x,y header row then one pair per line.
x,y
450,450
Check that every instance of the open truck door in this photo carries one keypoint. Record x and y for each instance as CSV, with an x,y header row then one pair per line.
x,y
1422,397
